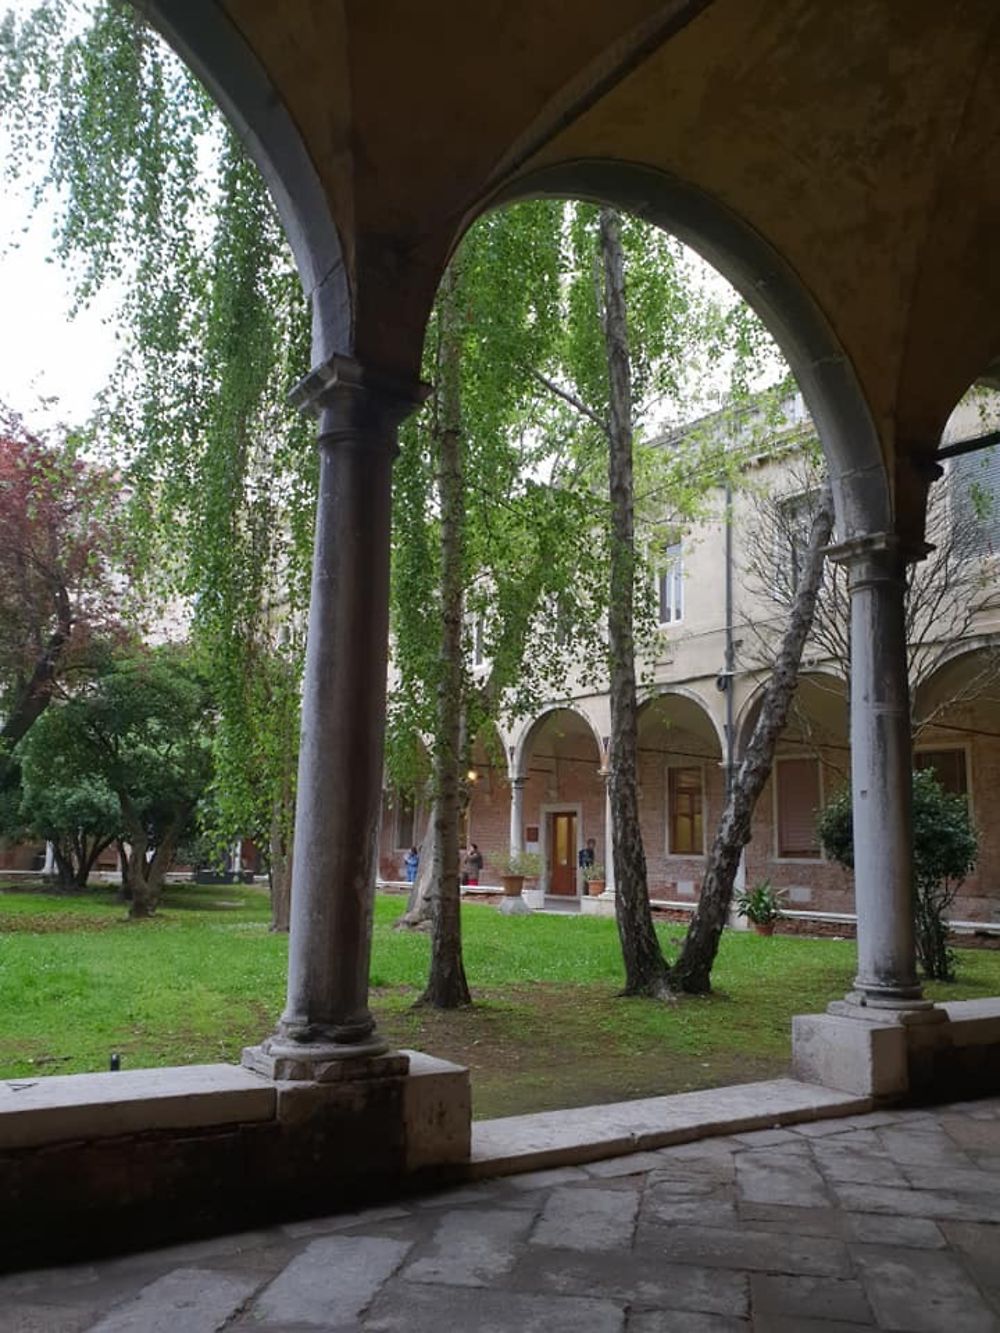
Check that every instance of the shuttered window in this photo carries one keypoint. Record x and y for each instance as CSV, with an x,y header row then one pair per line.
x,y
975,495
685,815
798,801
949,769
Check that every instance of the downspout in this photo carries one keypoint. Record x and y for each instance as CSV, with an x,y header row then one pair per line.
x,y
730,659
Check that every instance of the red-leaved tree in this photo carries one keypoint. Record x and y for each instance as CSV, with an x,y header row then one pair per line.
x,y
60,548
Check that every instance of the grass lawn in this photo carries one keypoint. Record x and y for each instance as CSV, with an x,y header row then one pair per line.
x,y
205,977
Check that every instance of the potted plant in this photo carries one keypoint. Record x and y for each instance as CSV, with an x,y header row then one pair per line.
x,y
519,867
761,906
593,877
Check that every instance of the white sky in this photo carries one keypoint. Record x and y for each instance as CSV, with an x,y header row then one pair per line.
x,y
43,352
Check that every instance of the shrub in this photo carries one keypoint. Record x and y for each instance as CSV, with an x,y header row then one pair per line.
x,y
944,851
528,864
762,905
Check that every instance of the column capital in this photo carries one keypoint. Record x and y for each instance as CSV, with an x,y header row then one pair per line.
x,y
350,398
875,556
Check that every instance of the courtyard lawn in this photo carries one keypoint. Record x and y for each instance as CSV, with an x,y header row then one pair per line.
x,y
205,977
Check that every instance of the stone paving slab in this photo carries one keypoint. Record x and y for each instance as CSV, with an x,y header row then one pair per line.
x,y
739,1233
434,1309
922,1293
189,1298
330,1282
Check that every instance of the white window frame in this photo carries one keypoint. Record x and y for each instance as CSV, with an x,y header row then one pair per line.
x,y
776,831
671,574
668,850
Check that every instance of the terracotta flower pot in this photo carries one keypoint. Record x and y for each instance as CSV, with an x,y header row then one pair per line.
x,y
764,927
595,887
512,885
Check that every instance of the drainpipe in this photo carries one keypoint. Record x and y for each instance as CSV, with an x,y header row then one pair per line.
x,y
730,664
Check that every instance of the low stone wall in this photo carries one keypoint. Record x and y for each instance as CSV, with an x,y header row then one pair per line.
x,y
104,1163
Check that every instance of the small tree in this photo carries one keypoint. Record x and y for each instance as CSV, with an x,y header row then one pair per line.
x,y
63,801
141,726
944,851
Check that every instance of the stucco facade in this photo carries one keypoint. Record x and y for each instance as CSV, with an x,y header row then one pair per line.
x,y
561,753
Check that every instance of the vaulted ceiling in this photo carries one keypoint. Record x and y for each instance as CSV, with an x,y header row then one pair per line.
x,y
857,141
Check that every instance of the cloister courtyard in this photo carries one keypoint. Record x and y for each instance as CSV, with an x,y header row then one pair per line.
x,y
79,982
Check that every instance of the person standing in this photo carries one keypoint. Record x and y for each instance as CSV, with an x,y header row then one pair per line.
x,y
588,854
472,865
411,863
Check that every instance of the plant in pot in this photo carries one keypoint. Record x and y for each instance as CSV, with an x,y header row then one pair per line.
x,y
593,877
519,867
761,906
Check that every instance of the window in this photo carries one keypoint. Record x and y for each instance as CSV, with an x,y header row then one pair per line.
x,y
670,586
949,768
685,822
405,819
975,495
798,798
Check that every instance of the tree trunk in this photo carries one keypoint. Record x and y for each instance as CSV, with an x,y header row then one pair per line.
x,y
89,858
692,972
142,895
418,905
146,877
125,892
281,852
33,697
64,864
447,987
645,966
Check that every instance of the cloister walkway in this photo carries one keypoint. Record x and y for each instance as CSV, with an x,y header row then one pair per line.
x,y
888,1220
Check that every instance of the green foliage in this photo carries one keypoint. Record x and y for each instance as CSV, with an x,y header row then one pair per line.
x,y
945,846
140,729
593,872
63,799
152,191
761,904
528,864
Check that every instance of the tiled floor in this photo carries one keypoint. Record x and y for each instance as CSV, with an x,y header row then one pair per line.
x,y
888,1220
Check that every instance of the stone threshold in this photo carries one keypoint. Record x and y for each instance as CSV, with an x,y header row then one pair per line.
x,y
589,1133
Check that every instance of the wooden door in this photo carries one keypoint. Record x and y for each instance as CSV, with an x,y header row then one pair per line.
x,y
562,853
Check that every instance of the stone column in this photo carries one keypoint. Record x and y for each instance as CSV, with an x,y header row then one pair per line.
x,y
49,868
516,815
881,775
326,1016
609,852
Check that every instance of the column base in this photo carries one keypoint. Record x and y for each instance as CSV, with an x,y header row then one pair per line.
x,y
886,1009
513,906
926,1054
283,1060
602,905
